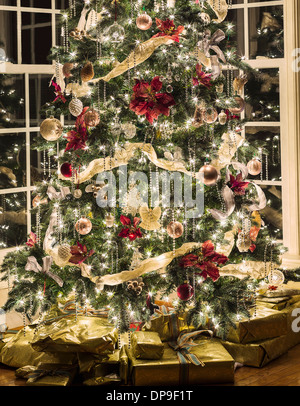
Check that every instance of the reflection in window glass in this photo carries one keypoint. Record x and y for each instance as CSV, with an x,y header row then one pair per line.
x,y
40,94
8,34
36,3
13,220
262,96
12,94
266,32
272,214
236,18
13,161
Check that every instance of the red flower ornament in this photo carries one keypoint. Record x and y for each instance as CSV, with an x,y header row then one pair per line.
x,y
32,240
202,78
237,185
79,254
147,101
77,138
130,230
58,92
206,260
168,29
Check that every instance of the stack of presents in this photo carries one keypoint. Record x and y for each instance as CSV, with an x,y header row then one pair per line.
x,y
85,349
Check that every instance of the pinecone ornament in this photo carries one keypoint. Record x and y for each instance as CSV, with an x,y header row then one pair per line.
x,y
87,72
64,252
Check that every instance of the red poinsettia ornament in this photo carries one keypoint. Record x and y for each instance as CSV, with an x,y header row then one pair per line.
x,y
147,101
202,77
206,260
237,184
79,253
168,29
130,230
58,92
32,240
77,138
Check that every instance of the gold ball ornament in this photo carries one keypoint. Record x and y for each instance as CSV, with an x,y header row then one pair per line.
x,y
254,167
276,278
210,115
175,229
87,72
83,226
92,118
77,193
209,175
241,105
75,107
144,22
67,67
51,129
64,252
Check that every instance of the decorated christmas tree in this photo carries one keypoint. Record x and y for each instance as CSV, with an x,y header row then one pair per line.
x,y
154,197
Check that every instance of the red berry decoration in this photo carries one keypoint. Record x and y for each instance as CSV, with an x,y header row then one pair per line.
x,y
185,291
66,170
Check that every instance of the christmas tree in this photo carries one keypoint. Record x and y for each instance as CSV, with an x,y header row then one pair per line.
x,y
154,196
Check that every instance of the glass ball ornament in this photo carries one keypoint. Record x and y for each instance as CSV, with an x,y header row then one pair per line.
x,y
92,118
276,278
51,129
241,105
129,130
209,175
115,33
254,167
185,291
175,229
144,22
83,226
243,242
66,170
210,115
75,107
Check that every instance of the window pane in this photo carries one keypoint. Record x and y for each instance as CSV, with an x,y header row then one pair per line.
x,y
8,2
262,96
12,94
34,27
40,93
272,214
36,3
266,32
8,34
61,4
236,17
13,161
13,220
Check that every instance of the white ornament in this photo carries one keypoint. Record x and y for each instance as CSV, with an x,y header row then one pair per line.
x,y
75,107
276,277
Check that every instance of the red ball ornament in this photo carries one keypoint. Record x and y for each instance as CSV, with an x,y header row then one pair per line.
x,y
209,175
185,292
144,22
83,226
66,170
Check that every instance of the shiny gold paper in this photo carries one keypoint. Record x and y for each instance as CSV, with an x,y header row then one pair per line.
x,y
100,366
280,304
268,323
219,367
87,334
17,352
146,345
58,375
168,326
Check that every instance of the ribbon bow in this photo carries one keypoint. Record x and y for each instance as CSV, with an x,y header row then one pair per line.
x,y
54,195
211,42
185,343
33,265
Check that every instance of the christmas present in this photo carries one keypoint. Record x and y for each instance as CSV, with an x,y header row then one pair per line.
x,y
146,345
86,334
268,323
203,361
167,323
48,374
102,369
278,303
17,351
257,354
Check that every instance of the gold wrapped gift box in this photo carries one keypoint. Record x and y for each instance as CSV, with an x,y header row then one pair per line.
x,y
101,369
48,375
17,351
268,323
219,366
86,334
146,345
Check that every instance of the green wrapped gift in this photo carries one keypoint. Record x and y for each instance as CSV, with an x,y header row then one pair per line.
x,y
86,334
257,354
268,323
146,345
17,351
51,375
113,367
168,324
215,365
